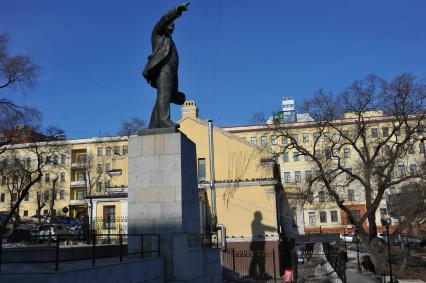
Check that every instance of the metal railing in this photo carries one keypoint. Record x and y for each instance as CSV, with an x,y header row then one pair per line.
x,y
61,248
256,265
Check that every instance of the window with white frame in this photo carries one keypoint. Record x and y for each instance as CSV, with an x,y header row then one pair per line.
x,y
323,216
287,177
311,217
305,137
298,176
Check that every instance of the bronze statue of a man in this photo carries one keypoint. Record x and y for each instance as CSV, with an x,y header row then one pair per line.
x,y
162,68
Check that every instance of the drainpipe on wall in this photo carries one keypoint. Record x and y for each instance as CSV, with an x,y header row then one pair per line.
x,y
212,176
214,225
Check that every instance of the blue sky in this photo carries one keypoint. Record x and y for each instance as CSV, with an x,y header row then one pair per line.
x,y
236,57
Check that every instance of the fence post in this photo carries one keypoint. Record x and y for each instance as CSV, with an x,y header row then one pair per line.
x,y
1,244
121,247
233,259
141,246
57,253
94,248
275,268
158,244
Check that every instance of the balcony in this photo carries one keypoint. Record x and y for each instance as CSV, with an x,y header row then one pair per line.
x,y
79,165
78,184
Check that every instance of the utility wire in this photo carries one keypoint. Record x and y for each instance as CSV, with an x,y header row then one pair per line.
x,y
77,74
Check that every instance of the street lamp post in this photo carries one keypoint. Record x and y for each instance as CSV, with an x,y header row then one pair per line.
x,y
386,223
52,204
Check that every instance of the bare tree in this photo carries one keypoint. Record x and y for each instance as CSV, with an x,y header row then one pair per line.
x,y
16,71
23,166
352,148
131,127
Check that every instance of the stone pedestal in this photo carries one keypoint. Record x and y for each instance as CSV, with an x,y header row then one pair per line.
x,y
163,199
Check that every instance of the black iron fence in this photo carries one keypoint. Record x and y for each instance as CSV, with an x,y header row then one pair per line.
x,y
56,249
256,265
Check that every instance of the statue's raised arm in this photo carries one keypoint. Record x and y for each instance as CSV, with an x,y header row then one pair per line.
x,y
161,70
168,18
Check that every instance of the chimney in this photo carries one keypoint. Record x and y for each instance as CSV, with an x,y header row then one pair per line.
x,y
189,109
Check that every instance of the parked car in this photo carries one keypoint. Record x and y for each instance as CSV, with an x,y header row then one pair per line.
x,y
348,238
52,230
383,236
43,219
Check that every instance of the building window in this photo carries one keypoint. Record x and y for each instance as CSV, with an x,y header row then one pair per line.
x,y
356,215
333,216
346,153
55,159
109,217
321,196
413,169
116,150
81,176
348,175
253,140
401,170
374,132
14,197
296,156
63,159
100,151
81,158
287,177
45,212
27,196
47,178
125,149
345,133
46,195
422,147
305,137
351,195
61,194
317,154
308,175
295,137
28,162
4,181
311,217
263,140
410,148
274,139
108,151
201,169
81,195
98,187
315,136
99,168
284,140
25,213
383,212
2,197
323,216
326,137
63,177
107,167
298,176
107,184
285,156
385,132
327,154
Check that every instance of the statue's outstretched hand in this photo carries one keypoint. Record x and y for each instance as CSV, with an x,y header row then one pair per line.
x,y
184,6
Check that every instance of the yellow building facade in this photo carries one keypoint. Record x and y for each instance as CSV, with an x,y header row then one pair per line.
x,y
320,213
